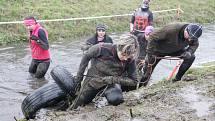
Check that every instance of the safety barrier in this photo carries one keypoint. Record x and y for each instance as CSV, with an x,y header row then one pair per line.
x,y
179,10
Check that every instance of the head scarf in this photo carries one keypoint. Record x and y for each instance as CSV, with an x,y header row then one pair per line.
x,y
29,22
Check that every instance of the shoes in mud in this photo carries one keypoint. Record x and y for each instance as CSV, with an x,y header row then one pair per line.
x,y
175,80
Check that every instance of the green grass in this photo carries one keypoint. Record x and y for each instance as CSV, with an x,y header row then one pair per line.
x,y
209,64
202,71
10,10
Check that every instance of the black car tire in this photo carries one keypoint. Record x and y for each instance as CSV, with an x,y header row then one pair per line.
x,y
42,97
64,79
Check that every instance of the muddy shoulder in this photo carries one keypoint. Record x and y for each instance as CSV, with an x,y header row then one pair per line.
x,y
192,99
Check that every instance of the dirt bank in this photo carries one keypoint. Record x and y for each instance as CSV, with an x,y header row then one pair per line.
x,y
192,99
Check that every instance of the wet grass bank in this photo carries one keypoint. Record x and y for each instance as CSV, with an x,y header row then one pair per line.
x,y
194,11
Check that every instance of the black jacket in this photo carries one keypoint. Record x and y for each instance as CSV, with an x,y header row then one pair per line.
x,y
93,40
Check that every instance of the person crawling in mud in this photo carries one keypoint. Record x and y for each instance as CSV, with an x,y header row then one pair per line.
x,y
175,40
38,40
114,70
99,37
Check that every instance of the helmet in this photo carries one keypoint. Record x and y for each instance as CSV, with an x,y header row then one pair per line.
x,y
194,31
101,27
129,45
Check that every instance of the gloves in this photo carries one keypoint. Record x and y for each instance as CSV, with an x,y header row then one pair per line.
x,y
109,79
119,80
186,55
35,38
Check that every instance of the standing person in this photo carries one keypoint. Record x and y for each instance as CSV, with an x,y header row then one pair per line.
x,y
113,63
38,39
99,37
176,40
143,45
141,18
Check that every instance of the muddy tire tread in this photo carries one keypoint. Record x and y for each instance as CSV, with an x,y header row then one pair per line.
x,y
40,98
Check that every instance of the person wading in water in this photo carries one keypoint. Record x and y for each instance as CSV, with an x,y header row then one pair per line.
x,y
38,40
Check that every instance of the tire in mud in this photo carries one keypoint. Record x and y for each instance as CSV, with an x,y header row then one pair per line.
x,y
42,97
64,79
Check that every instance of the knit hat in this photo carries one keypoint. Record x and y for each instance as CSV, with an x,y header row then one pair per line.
x,y
149,29
194,30
101,27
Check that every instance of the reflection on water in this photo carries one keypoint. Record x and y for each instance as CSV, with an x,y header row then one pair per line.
x,y
35,83
15,81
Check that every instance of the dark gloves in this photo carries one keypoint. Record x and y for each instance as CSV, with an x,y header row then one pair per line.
x,y
186,55
109,79
35,38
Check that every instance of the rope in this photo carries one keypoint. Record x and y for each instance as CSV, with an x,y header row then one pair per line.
x,y
6,48
150,66
100,93
142,61
169,57
88,18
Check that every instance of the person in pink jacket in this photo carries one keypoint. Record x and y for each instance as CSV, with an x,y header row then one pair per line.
x,y
38,41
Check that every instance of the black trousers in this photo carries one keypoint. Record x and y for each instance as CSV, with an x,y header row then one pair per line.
x,y
142,44
151,62
87,93
39,67
142,47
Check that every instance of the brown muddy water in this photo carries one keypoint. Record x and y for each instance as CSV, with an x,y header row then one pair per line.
x,y
16,83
